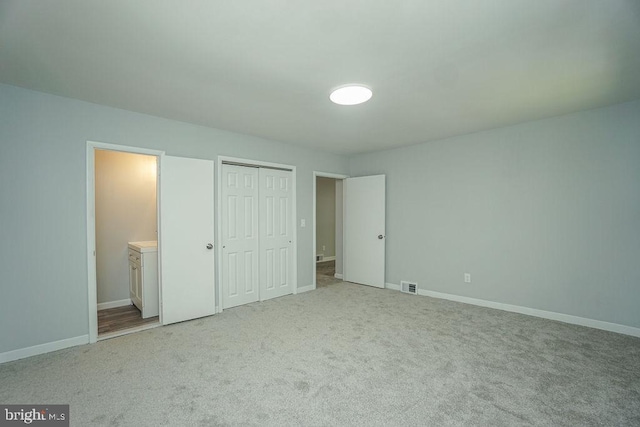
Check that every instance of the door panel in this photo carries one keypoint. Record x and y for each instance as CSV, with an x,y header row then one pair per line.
x,y
187,227
239,235
276,233
364,230
135,276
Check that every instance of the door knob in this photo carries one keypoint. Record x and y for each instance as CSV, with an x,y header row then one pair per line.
x,y
380,236
209,246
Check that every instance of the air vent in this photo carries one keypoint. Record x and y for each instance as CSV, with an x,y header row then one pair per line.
x,y
409,287
319,257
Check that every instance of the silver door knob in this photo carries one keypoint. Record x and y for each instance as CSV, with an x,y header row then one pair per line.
x,y
380,236
209,246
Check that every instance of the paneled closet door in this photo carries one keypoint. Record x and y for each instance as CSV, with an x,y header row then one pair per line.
x,y
276,233
239,235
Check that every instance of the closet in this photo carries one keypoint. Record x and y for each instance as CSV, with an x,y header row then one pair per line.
x,y
257,234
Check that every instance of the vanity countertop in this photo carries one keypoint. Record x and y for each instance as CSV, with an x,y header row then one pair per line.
x,y
148,246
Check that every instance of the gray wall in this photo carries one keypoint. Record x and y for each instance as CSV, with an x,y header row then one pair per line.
x,y
126,211
326,216
43,259
544,214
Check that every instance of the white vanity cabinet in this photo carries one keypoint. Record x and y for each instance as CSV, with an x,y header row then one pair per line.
x,y
143,277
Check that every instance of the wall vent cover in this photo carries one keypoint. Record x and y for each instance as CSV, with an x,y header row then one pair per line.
x,y
409,287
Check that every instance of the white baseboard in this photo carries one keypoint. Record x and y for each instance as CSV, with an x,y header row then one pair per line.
x,y
114,304
551,315
338,276
306,288
392,286
326,259
21,353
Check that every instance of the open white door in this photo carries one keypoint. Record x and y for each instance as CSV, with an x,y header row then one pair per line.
x,y
186,245
364,230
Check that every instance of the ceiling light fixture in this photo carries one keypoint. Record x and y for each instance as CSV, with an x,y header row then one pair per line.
x,y
351,95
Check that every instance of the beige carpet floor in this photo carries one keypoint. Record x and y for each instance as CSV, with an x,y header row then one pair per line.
x,y
343,354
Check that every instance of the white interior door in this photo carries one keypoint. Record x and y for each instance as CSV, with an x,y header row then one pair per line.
x,y
186,245
276,233
239,235
364,230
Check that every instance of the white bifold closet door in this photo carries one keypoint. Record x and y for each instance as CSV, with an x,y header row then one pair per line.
x,y
257,234
276,233
239,235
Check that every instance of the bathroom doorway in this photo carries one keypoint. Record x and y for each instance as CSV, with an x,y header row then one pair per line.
x,y
126,236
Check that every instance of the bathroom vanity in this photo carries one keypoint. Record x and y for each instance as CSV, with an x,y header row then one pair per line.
x,y
143,277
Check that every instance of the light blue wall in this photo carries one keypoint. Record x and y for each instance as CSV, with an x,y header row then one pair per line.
x,y
43,261
544,214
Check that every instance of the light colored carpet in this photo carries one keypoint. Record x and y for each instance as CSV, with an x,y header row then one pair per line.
x,y
343,355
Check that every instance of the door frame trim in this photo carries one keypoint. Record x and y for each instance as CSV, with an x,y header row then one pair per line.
x,y
218,217
92,281
336,176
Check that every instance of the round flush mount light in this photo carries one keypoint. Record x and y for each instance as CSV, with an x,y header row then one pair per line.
x,y
351,95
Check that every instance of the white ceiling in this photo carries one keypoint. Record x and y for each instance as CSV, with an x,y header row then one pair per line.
x,y
437,68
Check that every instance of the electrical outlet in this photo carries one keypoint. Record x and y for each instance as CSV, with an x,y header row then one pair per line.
x,y
467,278
324,248
303,223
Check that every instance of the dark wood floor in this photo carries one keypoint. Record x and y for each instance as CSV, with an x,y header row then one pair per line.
x,y
121,318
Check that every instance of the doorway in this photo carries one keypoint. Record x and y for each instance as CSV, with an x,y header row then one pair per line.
x,y
361,212
185,240
327,228
124,203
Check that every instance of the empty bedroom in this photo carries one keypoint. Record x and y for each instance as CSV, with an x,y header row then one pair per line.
x,y
418,213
